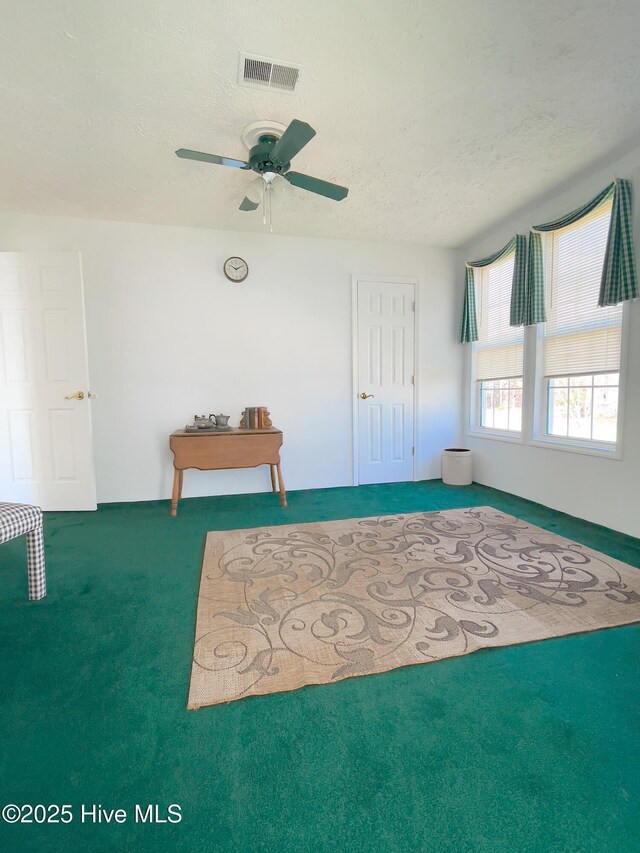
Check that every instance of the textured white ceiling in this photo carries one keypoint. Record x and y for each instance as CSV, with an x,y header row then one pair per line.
x,y
440,116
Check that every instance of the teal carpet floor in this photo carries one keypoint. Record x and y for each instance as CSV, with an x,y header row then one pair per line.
x,y
527,748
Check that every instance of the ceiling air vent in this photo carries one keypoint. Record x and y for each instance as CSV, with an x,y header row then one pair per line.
x,y
263,73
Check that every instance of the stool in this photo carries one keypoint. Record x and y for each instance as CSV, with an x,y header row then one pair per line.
x,y
16,520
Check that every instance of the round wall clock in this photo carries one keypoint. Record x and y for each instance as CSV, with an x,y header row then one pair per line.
x,y
236,269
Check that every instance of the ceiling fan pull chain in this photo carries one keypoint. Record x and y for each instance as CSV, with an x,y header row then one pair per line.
x,y
264,203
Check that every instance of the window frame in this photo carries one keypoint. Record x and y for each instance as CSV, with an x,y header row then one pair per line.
x,y
590,389
590,447
477,428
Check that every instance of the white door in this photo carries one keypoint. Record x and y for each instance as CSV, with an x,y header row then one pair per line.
x,y
385,381
45,432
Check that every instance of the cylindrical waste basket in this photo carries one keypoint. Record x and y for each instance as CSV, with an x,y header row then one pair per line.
x,y
456,466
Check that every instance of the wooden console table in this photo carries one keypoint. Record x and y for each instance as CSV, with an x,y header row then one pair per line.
x,y
235,448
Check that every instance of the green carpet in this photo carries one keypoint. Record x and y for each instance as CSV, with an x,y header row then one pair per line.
x,y
526,748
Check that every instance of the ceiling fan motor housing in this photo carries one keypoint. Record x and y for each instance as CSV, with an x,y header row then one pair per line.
x,y
260,157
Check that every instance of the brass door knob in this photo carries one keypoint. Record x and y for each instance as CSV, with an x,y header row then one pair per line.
x,y
364,396
79,395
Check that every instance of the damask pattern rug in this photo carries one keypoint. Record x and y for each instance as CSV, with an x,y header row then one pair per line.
x,y
281,607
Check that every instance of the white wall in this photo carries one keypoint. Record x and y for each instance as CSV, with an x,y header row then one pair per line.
x,y
170,337
604,491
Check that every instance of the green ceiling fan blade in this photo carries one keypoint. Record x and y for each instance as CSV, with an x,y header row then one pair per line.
x,y
247,204
186,154
292,140
315,185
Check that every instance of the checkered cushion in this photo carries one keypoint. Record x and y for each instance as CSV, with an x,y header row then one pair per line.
x,y
17,520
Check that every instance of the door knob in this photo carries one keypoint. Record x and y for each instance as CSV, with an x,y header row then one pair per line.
x,y
79,395
364,396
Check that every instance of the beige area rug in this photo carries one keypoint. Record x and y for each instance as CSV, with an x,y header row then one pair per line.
x,y
281,607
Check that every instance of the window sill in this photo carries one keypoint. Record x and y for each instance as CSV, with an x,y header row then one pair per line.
x,y
509,437
571,447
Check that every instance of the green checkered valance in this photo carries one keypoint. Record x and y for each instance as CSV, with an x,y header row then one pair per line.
x,y
518,311
469,327
619,278
534,310
578,213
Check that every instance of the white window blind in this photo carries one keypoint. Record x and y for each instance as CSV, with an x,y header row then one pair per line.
x,y
499,347
580,337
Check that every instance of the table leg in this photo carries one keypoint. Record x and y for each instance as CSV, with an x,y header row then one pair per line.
x,y
177,491
274,488
283,494
35,563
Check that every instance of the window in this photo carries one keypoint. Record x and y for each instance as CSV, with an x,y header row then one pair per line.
x,y
501,404
581,342
583,406
498,352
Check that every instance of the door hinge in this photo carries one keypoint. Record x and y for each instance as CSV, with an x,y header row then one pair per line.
x,y
413,451
413,380
413,307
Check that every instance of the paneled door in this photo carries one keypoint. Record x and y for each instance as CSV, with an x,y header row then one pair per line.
x,y
45,417
385,389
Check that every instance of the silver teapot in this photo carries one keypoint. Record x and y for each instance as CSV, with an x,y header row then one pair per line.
x,y
220,420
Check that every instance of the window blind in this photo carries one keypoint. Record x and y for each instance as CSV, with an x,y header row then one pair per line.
x,y
580,337
500,346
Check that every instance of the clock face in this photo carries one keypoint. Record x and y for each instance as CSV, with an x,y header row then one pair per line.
x,y
236,269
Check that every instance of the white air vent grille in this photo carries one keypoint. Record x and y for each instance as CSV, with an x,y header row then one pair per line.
x,y
264,73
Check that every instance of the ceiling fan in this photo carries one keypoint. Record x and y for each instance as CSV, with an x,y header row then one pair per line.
x,y
271,149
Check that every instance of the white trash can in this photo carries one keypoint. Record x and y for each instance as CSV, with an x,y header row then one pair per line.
x,y
456,466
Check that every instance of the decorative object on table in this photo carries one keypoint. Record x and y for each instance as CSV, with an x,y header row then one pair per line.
x,y
203,421
236,269
255,417
209,423
367,595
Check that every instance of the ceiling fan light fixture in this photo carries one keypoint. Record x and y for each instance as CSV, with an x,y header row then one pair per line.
x,y
254,191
